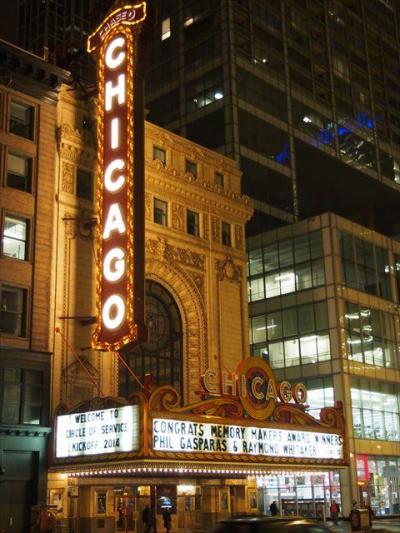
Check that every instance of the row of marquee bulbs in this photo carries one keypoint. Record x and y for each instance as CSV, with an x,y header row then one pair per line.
x,y
251,474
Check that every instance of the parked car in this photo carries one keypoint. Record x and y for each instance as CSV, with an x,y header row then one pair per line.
x,y
270,524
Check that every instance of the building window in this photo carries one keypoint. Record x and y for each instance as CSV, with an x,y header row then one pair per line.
x,y
219,179
191,167
381,474
13,311
226,233
166,29
19,172
88,124
159,154
15,237
370,336
320,394
21,119
375,410
84,184
365,266
22,399
203,91
192,223
290,337
160,212
161,355
286,266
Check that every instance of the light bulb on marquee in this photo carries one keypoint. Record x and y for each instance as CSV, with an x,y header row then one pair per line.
x,y
120,196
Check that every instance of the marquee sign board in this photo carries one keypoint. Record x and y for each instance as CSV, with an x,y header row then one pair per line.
x,y
119,185
186,436
97,432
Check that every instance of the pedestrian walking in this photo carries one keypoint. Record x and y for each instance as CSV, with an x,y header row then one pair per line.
x,y
167,520
274,508
335,510
147,518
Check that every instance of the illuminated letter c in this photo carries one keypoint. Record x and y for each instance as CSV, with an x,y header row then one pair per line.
x,y
255,383
114,185
111,61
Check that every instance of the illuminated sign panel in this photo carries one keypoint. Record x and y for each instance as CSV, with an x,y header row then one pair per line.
x,y
96,432
119,188
254,383
185,436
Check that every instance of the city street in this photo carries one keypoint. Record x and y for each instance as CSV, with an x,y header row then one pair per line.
x,y
378,525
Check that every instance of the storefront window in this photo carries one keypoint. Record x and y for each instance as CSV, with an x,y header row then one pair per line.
x,y
299,494
375,409
287,266
379,479
294,336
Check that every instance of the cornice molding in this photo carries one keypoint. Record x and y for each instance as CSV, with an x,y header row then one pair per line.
x,y
192,150
225,201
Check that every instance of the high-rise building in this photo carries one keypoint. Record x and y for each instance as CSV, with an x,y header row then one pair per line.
x,y
324,310
304,94
58,26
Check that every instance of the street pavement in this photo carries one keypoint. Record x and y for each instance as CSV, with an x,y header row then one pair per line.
x,y
377,525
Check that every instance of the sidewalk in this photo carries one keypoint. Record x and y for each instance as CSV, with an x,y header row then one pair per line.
x,y
377,525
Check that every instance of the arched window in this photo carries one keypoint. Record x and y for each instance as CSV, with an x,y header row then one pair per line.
x,y
161,355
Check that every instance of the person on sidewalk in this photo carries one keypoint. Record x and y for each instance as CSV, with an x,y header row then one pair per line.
x,y
371,513
335,510
274,508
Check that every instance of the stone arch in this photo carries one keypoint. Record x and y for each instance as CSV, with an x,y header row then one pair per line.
x,y
191,306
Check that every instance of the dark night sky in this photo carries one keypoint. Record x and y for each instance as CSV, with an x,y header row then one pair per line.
x,y
8,20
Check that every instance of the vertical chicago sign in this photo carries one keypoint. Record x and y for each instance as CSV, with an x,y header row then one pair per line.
x,y
120,183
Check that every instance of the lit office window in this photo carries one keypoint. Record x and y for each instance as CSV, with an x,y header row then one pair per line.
x,y
160,212
375,409
13,311
21,119
286,266
166,29
159,154
15,237
320,394
203,91
192,223
19,172
370,336
293,336
226,234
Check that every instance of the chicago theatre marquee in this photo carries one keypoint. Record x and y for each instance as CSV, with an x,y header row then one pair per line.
x,y
178,416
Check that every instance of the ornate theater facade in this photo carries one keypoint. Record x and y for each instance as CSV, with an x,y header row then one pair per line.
x,y
156,401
